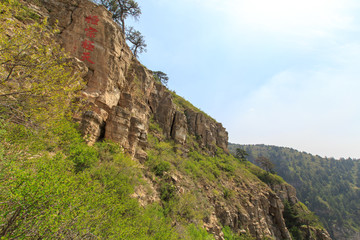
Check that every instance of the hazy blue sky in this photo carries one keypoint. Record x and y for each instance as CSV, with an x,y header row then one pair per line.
x,y
277,72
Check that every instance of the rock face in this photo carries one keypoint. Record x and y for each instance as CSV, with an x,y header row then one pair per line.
x,y
178,123
123,96
287,192
121,93
210,133
260,214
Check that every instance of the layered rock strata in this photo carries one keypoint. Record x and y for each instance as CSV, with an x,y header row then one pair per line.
x,y
121,93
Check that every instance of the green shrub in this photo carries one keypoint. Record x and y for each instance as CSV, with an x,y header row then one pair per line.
x,y
266,177
230,235
161,167
109,151
157,226
154,126
197,233
82,156
228,193
167,191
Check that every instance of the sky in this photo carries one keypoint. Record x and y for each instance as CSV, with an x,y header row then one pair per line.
x,y
279,72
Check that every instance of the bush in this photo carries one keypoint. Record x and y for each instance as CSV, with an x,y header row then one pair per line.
x,y
167,191
196,233
266,177
228,193
230,235
161,167
37,80
82,156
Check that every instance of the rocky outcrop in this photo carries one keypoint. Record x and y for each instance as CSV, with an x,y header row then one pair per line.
x,y
287,193
209,133
121,93
260,214
177,123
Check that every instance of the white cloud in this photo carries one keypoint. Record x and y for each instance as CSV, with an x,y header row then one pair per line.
x,y
296,21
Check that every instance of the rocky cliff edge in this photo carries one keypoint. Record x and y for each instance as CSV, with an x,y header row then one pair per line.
x,y
122,94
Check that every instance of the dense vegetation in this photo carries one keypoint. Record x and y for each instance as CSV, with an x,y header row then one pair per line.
x,y
329,187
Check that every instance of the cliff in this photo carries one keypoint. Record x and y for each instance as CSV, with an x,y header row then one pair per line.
x,y
123,99
122,94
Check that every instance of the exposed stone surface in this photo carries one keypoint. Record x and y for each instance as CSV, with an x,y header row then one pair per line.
x,y
260,214
286,192
121,93
163,108
209,133
179,127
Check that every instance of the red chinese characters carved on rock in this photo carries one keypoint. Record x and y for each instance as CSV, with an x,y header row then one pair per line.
x,y
88,45
92,20
90,33
86,56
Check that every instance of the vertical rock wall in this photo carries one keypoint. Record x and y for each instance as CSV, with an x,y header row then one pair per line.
x,y
121,93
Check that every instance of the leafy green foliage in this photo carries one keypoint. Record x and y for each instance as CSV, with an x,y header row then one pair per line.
x,y
228,193
161,77
36,81
297,216
167,191
230,235
197,233
183,104
82,156
264,176
121,9
161,168
45,196
241,154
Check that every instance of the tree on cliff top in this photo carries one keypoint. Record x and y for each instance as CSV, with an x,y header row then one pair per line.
x,y
121,9
137,40
241,154
265,163
161,77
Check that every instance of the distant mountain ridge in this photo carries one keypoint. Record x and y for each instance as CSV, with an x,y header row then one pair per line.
x,y
329,187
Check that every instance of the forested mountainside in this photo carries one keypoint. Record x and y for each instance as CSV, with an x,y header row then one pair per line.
x,y
93,146
329,187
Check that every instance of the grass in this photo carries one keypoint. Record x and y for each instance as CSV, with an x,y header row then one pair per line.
x,y
183,105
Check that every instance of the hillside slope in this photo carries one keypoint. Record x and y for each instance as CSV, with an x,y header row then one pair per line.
x,y
329,187
155,167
